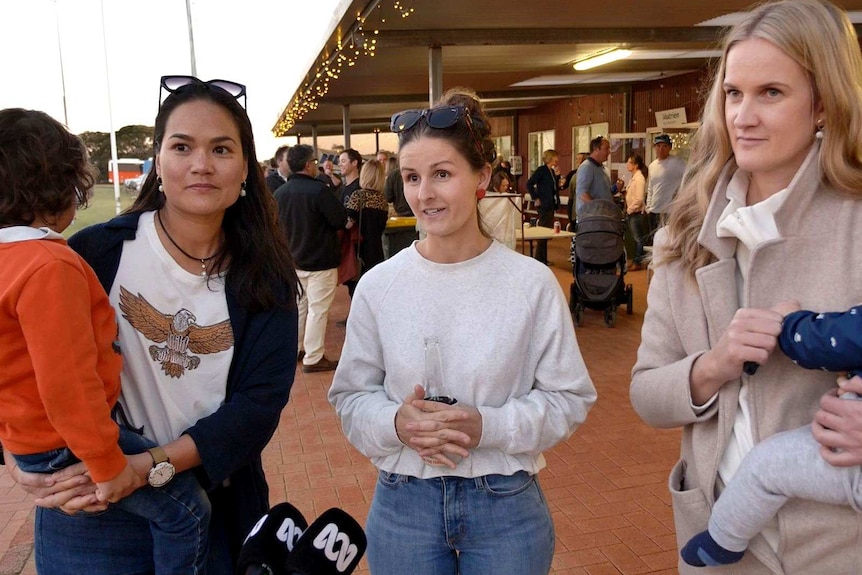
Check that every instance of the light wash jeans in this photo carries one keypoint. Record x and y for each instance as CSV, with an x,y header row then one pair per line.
x,y
496,524
175,529
318,293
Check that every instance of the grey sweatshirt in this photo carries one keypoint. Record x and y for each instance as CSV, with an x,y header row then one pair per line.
x,y
508,347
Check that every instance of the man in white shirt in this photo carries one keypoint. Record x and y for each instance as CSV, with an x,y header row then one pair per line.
x,y
665,176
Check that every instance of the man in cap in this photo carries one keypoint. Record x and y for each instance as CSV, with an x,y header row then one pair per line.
x,y
665,176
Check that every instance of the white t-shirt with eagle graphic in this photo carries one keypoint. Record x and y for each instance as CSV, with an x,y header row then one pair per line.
x,y
175,335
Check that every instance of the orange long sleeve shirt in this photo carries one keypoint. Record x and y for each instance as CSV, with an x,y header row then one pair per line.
x,y
59,374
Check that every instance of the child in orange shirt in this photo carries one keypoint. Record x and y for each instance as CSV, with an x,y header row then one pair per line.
x,y
61,365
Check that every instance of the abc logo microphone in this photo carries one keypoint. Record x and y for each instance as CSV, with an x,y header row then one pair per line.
x,y
266,548
332,545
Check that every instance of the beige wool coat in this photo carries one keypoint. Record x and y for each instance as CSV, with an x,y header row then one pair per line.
x,y
817,260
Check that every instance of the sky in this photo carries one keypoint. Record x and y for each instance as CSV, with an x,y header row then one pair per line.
x,y
265,44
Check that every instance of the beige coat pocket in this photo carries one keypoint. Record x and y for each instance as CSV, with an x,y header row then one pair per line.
x,y
690,509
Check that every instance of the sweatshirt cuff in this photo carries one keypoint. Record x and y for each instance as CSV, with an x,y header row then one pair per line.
x,y
494,428
389,440
106,466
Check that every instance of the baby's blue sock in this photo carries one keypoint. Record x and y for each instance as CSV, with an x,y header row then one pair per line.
x,y
702,551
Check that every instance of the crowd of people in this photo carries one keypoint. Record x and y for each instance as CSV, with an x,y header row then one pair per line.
x,y
151,355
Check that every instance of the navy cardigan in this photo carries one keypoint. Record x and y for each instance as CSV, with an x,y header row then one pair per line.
x,y
261,374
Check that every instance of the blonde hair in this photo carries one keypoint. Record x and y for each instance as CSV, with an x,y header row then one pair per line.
x,y
549,155
372,176
820,38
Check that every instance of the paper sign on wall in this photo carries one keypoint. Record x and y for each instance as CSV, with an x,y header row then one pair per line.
x,y
670,118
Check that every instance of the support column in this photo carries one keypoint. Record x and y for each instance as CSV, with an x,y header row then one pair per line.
x,y
435,74
314,140
345,120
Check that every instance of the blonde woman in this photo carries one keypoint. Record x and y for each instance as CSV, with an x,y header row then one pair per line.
x,y
769,211
544,188
367,208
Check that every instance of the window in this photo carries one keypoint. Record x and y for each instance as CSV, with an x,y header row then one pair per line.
x,y
537,143
503,144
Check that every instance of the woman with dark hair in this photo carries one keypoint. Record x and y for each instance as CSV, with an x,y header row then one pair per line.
x,y
204,289
458,455
501,182
635,203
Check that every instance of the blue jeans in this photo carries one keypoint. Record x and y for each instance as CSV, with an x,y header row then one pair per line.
x,y
174,542
470,526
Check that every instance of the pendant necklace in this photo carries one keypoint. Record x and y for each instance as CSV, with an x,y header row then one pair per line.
x,y
182,251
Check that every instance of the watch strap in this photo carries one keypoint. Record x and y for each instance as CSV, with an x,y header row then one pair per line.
x,y
158,454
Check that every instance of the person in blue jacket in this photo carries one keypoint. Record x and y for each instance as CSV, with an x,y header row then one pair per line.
x,y
204,289
544,188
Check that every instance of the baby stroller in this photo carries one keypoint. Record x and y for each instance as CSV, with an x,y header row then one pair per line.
x,y
599,262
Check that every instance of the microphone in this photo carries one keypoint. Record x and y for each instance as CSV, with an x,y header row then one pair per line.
x,y
266,547
332,545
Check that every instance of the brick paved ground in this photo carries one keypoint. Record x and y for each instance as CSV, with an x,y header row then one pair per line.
x,y
606,485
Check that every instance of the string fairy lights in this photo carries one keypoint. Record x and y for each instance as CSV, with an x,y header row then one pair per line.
x,y
357,43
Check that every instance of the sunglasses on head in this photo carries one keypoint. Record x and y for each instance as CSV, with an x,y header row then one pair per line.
x,y
439,118
172,84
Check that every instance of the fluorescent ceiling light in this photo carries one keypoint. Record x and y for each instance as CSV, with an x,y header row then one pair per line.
x,y
602,58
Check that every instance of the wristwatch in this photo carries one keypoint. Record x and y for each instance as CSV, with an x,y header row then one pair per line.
x,y
163,470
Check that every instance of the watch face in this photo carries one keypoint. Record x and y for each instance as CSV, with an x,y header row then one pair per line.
x,y
160,474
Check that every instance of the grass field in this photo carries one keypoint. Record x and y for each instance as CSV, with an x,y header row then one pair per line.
x,y
102,207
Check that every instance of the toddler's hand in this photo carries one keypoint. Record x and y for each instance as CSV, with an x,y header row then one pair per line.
x,y
120,486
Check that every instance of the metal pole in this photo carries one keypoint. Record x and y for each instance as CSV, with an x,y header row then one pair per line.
x,y
191,38
62,74
116,164
435,74
345,122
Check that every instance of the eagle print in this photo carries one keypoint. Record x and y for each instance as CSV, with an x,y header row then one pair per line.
x,y
178,332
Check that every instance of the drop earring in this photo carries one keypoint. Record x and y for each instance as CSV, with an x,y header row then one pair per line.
x,y
161,187
242,189
818,133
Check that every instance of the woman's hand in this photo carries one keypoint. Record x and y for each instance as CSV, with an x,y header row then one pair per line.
x,y
454,430
751,337
69,489
837,425
434,429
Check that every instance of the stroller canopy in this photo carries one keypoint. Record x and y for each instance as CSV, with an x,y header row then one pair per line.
x,y
600,209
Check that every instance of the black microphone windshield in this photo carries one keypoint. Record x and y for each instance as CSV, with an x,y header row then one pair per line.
x,y
332,545
271,539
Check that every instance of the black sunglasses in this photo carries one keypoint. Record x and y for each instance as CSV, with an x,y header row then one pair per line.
x,y
439,118
172,84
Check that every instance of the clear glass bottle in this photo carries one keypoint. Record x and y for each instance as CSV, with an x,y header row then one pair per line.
x,y
435,389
